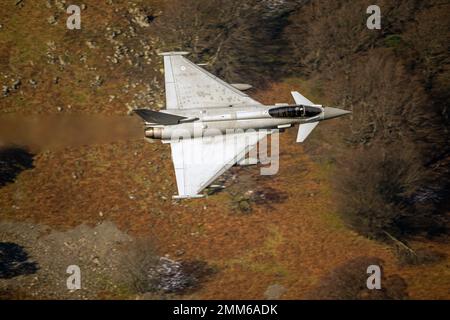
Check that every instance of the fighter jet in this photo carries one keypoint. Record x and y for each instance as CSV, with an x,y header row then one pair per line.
x,y
211,125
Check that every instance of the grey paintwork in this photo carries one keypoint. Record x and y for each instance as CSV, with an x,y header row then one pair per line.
x,y
218,120
199,104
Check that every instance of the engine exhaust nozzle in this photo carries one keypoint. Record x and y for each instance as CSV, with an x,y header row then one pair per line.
x,y
153,133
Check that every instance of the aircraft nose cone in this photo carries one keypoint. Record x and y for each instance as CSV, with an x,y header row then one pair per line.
x,y
330,113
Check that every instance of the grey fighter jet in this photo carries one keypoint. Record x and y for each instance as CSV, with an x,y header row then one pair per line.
x,y
211,125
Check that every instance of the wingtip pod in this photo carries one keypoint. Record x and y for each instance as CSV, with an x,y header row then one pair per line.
x,y
181,197
174,53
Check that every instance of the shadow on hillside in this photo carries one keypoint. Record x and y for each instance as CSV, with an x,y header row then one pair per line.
x,y
13,161
14,261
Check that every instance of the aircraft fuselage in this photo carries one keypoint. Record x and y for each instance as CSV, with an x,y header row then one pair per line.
x,y
211,122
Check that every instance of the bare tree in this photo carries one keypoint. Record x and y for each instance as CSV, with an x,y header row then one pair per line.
x,y
238,40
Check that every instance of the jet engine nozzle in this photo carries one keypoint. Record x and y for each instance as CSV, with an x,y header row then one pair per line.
x,y
154,133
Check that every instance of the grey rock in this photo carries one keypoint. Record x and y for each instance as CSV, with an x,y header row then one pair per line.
x,y
180,252
61,61
98,81
91,44
52,20
5,91
51,45
140,18
16,84
274,292
61,5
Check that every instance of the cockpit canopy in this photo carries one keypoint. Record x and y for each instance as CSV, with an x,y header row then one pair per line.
x,y
296,111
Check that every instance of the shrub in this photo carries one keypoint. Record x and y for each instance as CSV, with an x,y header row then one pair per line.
x,y
349,282
380,190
